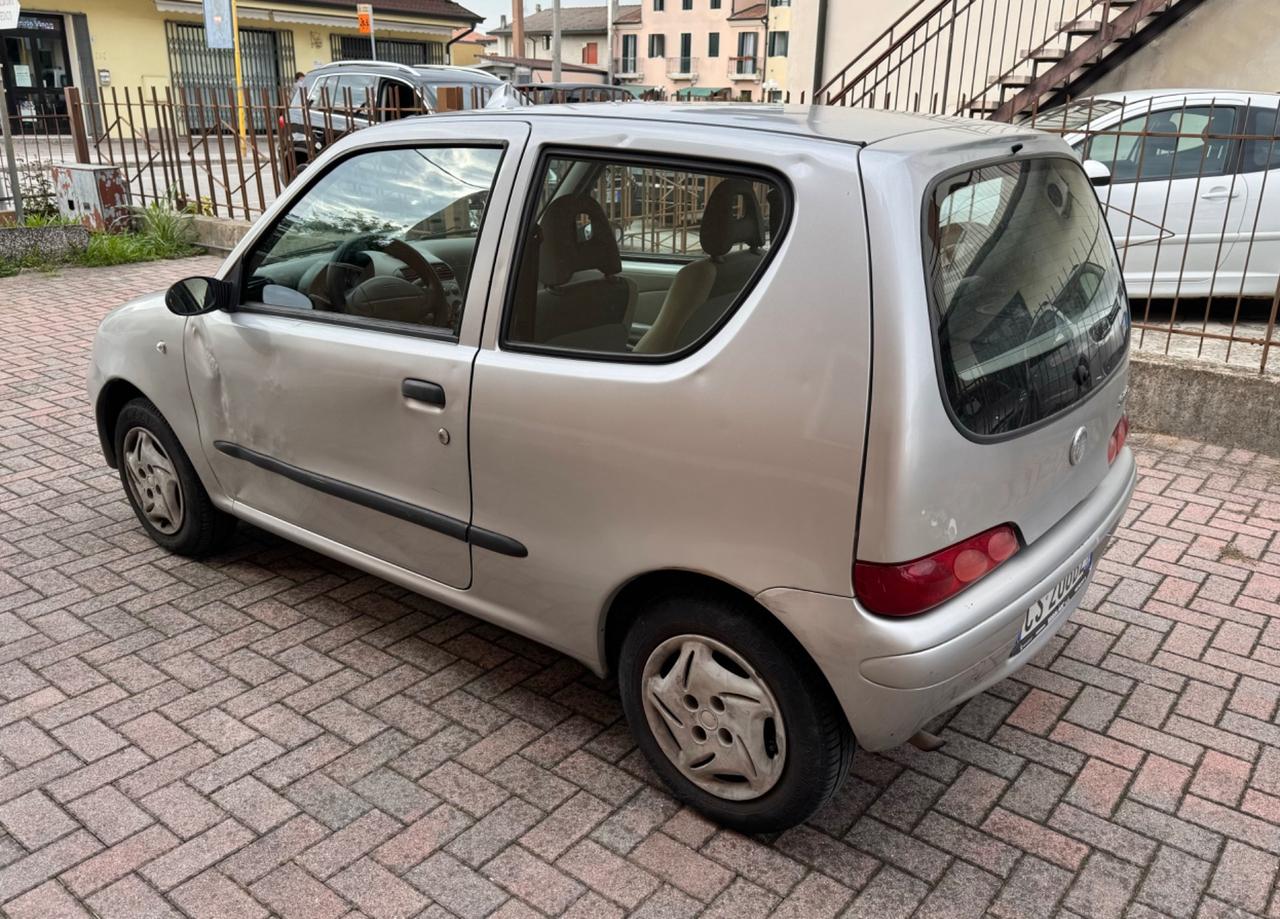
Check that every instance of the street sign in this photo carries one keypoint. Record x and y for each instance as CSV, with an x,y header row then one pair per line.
x,y
364,16
9,14
218,28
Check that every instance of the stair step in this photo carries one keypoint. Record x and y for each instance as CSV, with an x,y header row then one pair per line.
x,y
1080,27
1012,79
1041,55
983,108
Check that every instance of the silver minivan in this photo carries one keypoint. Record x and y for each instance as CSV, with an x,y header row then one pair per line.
x,y
806,424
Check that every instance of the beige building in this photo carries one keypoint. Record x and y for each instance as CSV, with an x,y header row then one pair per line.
x,y
106,47
584,36
719,49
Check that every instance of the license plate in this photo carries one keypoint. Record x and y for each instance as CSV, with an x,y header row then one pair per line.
x,y
1041,613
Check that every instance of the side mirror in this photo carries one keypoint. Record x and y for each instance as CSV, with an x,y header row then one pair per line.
x,y
1098,173
194,296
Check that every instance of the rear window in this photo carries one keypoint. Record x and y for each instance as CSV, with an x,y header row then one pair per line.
x,y
1029,305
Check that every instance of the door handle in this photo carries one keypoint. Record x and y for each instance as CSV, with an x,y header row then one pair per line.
x,y
1220,193
423,391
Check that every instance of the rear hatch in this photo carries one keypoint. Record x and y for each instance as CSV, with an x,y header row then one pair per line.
x,y
1001,337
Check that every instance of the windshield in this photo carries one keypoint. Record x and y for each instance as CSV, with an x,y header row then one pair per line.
x,y
1029,304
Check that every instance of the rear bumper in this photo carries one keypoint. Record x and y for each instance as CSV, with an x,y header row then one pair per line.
x,y
892,675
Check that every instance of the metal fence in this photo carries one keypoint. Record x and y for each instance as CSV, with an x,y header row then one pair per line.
x,y
200,148
1191,189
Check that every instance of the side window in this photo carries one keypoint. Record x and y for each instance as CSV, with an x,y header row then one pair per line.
x,y
607,234
397,100
387,235
353,92
1262,144
1173,144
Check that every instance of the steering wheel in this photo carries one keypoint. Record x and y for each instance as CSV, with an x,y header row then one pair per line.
x,y
353,255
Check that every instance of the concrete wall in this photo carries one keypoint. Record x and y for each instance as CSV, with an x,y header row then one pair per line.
x,y
1221,44
1205,402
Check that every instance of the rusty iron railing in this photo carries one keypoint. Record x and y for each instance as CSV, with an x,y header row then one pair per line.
x,y
987,58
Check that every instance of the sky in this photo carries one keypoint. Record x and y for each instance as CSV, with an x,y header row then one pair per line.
x,y
492,9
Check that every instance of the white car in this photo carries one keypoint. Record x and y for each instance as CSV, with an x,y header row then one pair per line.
x,y
1190,179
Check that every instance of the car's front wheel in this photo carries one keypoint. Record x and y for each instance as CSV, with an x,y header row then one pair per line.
x,y
162,486
731,714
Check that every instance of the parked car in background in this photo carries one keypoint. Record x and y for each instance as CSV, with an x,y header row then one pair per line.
x,y
790,502
335,99
1190,180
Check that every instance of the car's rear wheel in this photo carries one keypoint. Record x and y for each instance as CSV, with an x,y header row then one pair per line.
x,y
731,713
162,486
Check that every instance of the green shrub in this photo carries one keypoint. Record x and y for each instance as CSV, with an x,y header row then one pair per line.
x,y
162,232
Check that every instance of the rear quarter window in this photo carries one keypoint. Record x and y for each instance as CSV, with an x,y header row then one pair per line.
x,y
1028,302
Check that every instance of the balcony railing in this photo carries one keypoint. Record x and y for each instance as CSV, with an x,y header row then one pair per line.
x,y
682,68
745,68
626,67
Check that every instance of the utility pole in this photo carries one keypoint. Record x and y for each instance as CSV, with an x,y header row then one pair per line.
x,y
235,53
555,41
15,191
611,12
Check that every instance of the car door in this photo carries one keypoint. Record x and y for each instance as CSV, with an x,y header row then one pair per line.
x,y
1256,257
335,396
1173,204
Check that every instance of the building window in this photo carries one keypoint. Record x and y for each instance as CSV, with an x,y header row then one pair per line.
x,y
748,49
629,55
686,52
779,2
589,53
657,45
686,4
713,44
715,4
659,5
778,42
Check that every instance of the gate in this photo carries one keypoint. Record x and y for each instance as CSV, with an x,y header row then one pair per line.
x,y
202,74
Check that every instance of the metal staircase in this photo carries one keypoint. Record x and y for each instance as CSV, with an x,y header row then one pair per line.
x,y
995,59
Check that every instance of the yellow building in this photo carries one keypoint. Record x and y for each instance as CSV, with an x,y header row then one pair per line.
x,y
98,45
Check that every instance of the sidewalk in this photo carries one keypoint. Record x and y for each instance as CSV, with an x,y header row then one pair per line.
x,y
272,733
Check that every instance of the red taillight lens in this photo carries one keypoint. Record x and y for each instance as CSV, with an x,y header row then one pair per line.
x,y
1118,437
916,586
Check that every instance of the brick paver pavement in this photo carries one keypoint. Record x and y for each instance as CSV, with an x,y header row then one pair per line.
x,y
274,733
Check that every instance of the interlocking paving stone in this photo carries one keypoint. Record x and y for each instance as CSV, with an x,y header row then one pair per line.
x,y
269,732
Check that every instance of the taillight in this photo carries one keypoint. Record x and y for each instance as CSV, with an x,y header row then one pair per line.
x,y
912,587
1118,437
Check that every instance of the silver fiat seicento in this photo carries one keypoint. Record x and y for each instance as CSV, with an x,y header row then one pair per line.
x,y
807,424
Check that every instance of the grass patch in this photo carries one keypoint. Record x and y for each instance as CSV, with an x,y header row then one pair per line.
x,y
161,232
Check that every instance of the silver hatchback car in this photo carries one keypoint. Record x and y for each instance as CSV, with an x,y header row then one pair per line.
x,y
807,424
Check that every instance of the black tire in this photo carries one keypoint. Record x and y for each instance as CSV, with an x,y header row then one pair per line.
x,y
819,745
204,529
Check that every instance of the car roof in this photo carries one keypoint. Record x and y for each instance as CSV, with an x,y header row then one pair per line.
x,y
1143,95
825,122
427,73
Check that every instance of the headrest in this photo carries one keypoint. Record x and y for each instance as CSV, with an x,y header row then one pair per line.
x,y
732,216
576,236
